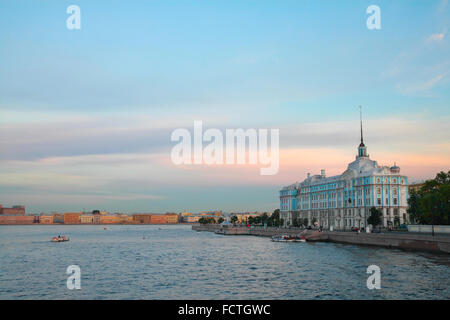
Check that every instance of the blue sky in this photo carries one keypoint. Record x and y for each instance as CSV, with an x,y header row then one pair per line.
x,y
73,100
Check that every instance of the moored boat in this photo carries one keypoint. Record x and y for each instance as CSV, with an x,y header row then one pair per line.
x,y
285,238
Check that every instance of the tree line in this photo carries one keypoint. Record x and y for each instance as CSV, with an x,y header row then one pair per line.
x,y
273,220
431,203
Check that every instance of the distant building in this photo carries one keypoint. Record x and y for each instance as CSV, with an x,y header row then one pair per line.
x,y
172,217
191,219
109,219
16,219
158,219
416,186
58,218
46,219
87,219
15,210
141,218
72,217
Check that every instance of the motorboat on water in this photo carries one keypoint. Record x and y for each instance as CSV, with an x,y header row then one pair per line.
x,y
60,239
286,238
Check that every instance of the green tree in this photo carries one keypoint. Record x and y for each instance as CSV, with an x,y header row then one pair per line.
x,y
305,222
264,218
220,220
375,217
413,206
431,203
274,219
234,219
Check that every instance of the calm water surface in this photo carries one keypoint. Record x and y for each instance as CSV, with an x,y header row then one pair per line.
x,y
174,262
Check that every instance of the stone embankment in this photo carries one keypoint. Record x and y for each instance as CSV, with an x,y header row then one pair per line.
x,y
390,240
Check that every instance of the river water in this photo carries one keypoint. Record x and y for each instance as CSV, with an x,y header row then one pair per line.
x,y
174,262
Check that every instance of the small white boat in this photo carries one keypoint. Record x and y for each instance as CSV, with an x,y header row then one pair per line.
x,y
60,239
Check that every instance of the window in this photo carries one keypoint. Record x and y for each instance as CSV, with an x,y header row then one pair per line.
x,y
394,191
378,190
379,201
395,201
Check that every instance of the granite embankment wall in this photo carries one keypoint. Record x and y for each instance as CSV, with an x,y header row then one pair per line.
x,y
390,240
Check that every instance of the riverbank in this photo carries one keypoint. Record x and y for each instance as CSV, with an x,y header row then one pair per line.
x,y
440,244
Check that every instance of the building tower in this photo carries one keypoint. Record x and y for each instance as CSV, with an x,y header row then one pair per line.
x,y
362,149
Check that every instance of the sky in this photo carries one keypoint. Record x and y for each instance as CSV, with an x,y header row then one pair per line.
x,y
86,115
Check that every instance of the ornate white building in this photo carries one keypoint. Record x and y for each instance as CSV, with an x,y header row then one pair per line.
x,y
344,201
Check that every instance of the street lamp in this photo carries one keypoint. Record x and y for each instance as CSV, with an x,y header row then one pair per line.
x,y
432,222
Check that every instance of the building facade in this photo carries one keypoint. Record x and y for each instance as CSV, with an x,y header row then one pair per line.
x,y
72,217
343,201
15,210
87,219
158,219
46,219
172,217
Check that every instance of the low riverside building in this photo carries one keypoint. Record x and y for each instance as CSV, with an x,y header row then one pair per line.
x,y
125,219
16,219
344,201
109,219
72,217
172,217
158,219
141,218
15,210
87,219
191,219
58,218
46,219
96,218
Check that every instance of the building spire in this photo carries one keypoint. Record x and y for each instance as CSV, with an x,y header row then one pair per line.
x,y
362,150
360,120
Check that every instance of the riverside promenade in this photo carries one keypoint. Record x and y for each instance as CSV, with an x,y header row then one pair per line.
x,y
440,244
